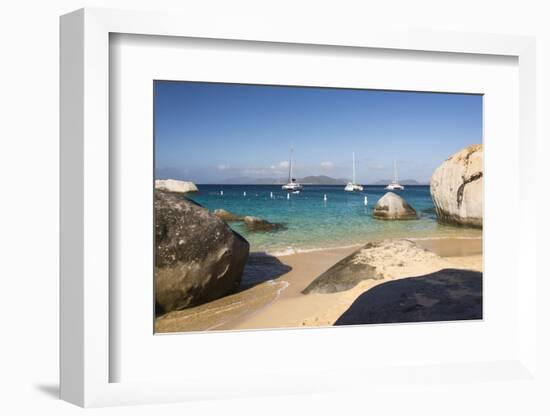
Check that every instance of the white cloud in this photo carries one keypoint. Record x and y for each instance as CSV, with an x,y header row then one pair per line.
x,y
223,167
327,165
284,164
281,165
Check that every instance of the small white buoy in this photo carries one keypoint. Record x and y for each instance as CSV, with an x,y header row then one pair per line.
x,y
366,201
244,193
271,195
325,197
287,196
221,193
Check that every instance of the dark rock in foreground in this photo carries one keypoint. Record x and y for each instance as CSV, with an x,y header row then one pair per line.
x,y
198,257
255,224
446,295
392,207
344,275
376,260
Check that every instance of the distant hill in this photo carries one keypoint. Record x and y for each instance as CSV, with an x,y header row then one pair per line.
x,y
322,180
310,180
246,180
402,182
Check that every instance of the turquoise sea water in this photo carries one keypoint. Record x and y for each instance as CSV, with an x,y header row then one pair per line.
x,y
312,223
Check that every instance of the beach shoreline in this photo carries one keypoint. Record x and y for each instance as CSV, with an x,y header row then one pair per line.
x,y
441,244
278,302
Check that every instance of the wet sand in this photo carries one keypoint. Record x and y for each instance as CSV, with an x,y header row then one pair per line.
x,y
279,303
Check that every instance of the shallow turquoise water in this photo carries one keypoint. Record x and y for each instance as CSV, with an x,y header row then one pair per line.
x,y
312,223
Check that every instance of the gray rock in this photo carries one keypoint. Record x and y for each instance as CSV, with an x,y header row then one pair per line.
x,y
227,216
175,186
255,224
376,260
344,275
392,207
457,188
198,257
446,295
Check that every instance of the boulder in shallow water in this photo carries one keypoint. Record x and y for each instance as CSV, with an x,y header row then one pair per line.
x,y
174,186
392,207
446,295
198,257
227,216
255,224
457,188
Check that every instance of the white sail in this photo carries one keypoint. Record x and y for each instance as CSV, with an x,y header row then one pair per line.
x,y
395,184
352,186
292,184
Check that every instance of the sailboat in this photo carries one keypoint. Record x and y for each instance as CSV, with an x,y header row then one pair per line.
x,y
352,186
395,184
292,185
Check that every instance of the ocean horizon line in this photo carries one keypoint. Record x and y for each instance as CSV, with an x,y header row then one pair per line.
x,y
301,183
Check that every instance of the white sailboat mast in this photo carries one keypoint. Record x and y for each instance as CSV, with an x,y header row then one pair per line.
x,y
353,156
395,172
290,166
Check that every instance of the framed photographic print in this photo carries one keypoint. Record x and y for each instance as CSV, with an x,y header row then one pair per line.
x,y
330,234
266,211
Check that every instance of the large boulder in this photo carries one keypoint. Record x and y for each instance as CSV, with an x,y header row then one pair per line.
x,y
198,257
377,260
392,207
175,186
457,188
344,275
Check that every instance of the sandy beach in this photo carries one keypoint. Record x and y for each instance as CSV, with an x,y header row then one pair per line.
x,y
277,301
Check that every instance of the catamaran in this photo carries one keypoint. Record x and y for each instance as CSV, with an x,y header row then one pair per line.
x,y
292,185
352,186
395,184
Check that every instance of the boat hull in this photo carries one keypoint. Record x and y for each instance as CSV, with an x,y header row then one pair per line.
x,y
395,187
350,187
291,187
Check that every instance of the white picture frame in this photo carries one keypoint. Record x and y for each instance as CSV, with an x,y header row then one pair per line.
x,y
86,353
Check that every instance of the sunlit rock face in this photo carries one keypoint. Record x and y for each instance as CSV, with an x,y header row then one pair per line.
x,y
457,188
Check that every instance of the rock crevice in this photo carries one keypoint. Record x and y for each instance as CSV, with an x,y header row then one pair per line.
x,y
460,192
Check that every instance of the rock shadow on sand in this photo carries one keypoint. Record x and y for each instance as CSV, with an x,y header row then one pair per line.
x,y
446,295
261,267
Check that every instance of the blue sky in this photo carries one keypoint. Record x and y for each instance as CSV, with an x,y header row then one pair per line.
x,y
210,132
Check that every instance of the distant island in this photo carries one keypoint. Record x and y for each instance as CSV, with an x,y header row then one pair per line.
x,y
402,182
307,180
322,180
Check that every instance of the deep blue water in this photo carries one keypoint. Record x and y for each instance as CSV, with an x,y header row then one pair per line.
x,y
313,223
